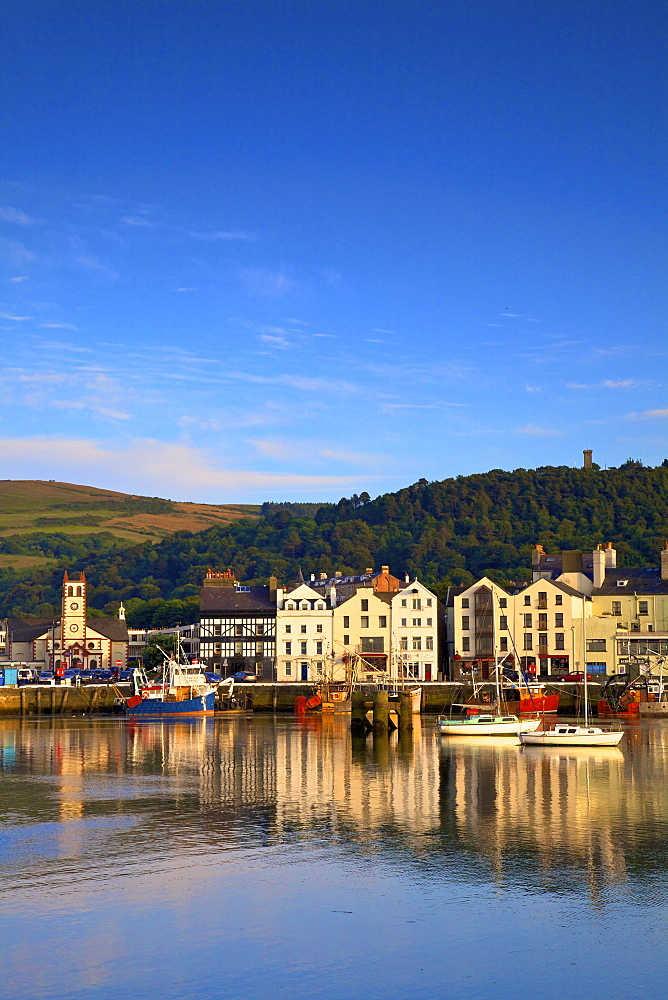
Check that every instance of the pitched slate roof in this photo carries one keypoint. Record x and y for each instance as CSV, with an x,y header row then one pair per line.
x,y
640,581
111,628
27,629
227,600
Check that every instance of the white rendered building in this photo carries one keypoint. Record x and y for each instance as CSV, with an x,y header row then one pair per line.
x,y
303,635
414,641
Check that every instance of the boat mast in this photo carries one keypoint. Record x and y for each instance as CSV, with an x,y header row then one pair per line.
x,y
584,657
496,658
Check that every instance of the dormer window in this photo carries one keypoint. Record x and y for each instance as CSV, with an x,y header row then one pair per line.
x,y
622,583
290,606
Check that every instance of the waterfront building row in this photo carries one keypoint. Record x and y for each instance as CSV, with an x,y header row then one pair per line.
x,y
309,632
579,611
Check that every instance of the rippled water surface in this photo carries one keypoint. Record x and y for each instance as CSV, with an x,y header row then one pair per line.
x,y
268,857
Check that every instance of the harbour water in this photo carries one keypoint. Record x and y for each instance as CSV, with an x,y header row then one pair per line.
x,y
247,857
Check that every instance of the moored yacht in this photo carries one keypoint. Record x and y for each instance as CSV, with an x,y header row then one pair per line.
x,y
486,725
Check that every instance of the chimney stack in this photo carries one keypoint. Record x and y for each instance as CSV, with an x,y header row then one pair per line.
x,y
332,596
664,563
599,567
587,453
610,556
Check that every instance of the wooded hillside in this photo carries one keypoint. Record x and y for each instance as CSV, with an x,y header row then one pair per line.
x,y
446,532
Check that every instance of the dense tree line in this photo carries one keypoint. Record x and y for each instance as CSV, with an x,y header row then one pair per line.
x,y
446,532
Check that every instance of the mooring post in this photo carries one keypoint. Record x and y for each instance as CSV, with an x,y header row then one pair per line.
x,y
405,711
359,725
22,700
381,712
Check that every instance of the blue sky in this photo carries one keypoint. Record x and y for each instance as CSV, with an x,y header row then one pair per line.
x,y
271,250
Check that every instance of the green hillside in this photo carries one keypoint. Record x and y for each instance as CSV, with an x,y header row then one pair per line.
x,y
43,521
446,532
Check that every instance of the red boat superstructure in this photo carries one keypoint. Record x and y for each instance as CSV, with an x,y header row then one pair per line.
x,y
524,699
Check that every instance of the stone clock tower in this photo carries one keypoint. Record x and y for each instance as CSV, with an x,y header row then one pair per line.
x,y
73,622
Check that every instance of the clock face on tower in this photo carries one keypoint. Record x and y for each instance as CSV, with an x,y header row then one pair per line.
x,y
74,607
74,627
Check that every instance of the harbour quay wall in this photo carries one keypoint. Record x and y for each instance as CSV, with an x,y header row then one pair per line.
x,y
260,696
54,699
437,696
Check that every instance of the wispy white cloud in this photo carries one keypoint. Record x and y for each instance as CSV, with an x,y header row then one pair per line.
x,y
536,431
16,319
387,407
623,383
265,283
151,466
59,326
272,340
608,383
19,278
140,222
228,235
15,215
649,414
197,423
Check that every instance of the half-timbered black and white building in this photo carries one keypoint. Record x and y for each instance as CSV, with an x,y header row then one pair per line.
x,y
238,626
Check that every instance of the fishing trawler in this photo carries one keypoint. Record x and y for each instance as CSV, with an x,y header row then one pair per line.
x,y
184,691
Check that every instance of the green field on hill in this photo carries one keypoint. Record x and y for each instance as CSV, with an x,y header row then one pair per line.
x,y
33,510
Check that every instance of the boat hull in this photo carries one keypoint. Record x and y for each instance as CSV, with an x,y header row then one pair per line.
x,y
157,708
583,737
606,711
527,704
474,726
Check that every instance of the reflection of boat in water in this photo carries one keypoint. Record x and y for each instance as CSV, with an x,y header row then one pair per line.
x,y
475,741
571,754
184,691
486,725
574,736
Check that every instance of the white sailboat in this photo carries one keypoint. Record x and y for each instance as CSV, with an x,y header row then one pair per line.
x,y
487,723
570,735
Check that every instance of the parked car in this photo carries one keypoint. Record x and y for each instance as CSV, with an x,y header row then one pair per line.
x,y
45,677
244,675
102,676
213,678
127,675
27,675
574,678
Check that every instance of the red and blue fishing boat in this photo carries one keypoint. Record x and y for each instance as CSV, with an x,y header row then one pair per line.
x,y
184,691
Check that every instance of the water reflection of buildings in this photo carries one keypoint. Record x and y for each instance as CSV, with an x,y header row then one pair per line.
x,y
537,811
